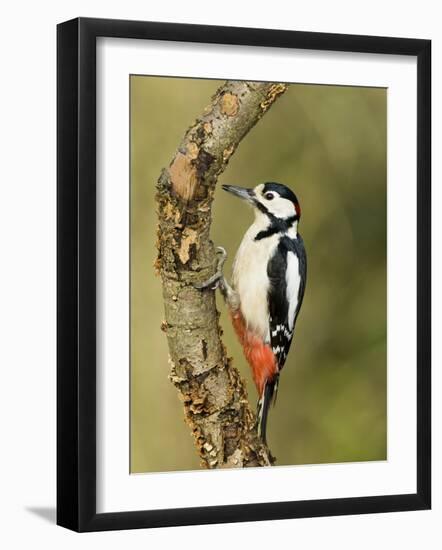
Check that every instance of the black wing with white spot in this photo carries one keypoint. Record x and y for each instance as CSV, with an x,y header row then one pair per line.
x,y
287,273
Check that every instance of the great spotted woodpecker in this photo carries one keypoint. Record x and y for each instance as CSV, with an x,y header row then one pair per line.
x,y
268,283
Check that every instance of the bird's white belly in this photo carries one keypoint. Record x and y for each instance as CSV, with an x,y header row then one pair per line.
x,y
250,280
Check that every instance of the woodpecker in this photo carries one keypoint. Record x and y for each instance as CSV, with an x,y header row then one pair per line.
x,y
267,288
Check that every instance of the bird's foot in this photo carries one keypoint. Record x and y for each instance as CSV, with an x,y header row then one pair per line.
x,y
218,277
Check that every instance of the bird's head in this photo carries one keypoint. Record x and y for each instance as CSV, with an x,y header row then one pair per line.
x,y
270,199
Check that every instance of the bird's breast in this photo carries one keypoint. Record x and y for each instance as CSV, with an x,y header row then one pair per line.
x,y
250,280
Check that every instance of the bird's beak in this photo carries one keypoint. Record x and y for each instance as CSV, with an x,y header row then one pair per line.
x,y
241,192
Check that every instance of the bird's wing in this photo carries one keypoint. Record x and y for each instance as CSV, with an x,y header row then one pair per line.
x,y
287,273
296,246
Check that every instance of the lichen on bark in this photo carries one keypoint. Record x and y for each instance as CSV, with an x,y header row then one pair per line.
x,y
214,395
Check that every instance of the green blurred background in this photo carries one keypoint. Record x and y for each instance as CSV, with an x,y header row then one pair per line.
x,y
328,143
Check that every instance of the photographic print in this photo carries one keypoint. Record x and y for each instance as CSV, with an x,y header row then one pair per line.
x,y
258,274
230,271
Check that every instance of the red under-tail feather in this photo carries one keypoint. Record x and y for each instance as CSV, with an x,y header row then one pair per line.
x,y
258,354
264,368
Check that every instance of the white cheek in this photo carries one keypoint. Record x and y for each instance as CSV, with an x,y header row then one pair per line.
x,y
282,208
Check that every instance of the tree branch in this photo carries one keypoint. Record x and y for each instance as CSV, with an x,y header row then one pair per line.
x,y
214,396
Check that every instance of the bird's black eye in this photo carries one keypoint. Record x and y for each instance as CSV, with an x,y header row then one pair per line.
x,y
269,196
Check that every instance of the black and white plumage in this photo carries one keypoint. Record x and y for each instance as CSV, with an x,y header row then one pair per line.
x,y
268,284
287,271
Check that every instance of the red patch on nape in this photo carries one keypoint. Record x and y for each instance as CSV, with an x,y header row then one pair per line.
x,y
298,209
258,354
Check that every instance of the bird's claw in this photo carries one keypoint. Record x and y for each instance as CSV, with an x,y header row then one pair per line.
x,y
222,251
211,283
214,281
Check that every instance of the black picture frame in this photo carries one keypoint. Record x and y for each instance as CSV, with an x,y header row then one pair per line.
x,y
76,273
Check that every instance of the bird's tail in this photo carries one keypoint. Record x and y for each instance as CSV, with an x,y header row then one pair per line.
x,y
267,397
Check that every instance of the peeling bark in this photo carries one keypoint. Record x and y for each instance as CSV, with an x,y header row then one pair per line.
x,y
214,395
